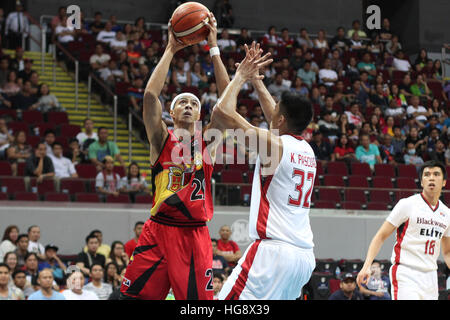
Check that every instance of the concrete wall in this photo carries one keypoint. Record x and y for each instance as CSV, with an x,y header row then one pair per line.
x,y
337,233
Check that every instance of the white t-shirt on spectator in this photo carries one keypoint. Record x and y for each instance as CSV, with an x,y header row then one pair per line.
x,y
85,295
106,36
64,168
82,136
110,184
411,110
116,44
67,38
99,59
401,65
225,44
353,119
35,247
328,74
102,293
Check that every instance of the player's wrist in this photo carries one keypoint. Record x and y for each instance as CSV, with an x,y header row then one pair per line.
x,y
214,51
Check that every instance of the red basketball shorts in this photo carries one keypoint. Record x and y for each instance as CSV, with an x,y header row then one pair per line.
x,y
170,257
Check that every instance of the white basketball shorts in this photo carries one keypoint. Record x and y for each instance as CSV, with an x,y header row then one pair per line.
x,y
411,284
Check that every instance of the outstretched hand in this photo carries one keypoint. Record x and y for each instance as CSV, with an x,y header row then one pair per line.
x,y
248,69
173,43
212,27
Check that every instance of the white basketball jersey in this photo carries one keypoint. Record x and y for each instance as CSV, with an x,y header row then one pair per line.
x,y
280,203
420,228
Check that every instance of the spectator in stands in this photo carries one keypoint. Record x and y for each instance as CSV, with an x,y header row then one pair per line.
x,y
367,152
380,98
86,259
133,183
218,280
103,248
347,289
99,59
225,43
107,181
328,127
75,290
405,86
304,41
210,97
207,65
400,63
18,63
19,151
356,44
64,168
307,75
54,263
20,282
27,70
243,38
376,46
327,75
417,110
88,136
13,85
65,33
321,41
227,247
119,43
106,35
322,148
4,70
7,292
439,152
74,153
97,25
112,275
31,269
101,148
39,164
11,259
97,286
132,243
136,94
336,63
219,264
299,88
354,115
56,20
139,26
277,87
25,100
34,80
367,65
46,292
22,249
437,68
420,89
198,76
411,157
387,152
398,141
180,77
6,138
16,25
393,46
386,32
118,255
47,101
339,41
34,234
422,58
271,38
49,140
356,27
343,150
396,96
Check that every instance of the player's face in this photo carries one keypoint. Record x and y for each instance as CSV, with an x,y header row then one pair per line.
x,y
186,109
433,180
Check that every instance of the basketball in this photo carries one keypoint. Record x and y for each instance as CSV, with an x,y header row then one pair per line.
x,y
187,22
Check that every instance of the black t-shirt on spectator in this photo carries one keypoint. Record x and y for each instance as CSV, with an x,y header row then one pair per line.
x,y
322,152
23,102
98,258
33,162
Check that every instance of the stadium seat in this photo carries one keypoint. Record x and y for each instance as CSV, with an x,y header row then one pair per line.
x,y
21,169
144,198
87,197
351,265
120,171
377,206
5,168
13,185
57,197
11,113
403,194
355,195
86,171
319,169
335,285
69,130
337,168
42,127
436,88
406,183
26,196
32,116
333,180
384,170
326,265
406,170
72,185
63,140
382,182
323,204
380,196
17,126
319,283
361,169
351,205
218,167
358,182
329,195
57,117
232,176
33,140
243,167
121,198
3,196
47,185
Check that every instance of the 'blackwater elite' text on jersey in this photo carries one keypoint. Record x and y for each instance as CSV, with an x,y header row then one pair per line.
x,y
280,202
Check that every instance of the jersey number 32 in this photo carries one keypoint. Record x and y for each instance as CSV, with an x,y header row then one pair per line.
x,y
297,199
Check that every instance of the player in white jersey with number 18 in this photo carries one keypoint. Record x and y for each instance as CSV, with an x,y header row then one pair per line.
x,y
280,259
422,222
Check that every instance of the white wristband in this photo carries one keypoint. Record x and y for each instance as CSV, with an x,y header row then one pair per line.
x,y
214,51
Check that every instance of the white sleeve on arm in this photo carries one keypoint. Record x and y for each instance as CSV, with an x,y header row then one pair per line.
x,y
399,214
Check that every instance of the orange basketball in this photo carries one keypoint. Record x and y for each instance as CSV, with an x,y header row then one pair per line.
x,y
187,22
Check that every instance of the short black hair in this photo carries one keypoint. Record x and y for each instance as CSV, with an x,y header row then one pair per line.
x,y
432,164
23,235
101,128
89,237
57,144
95,264
138,223
298,111
6,266
31,254
16,272
49,131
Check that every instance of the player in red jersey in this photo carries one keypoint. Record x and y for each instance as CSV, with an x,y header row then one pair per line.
x,y
174,249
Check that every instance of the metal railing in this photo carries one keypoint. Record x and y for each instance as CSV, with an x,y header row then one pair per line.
x,y
76,63
108,91
132,114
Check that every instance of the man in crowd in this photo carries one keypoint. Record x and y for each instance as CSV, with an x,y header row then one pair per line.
x,y
22,249
86,259
347,289
132,243
46,292
64,168
227,247
39,164
101,289
101,148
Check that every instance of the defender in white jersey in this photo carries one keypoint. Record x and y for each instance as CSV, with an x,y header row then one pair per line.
x,y
281,259
422,222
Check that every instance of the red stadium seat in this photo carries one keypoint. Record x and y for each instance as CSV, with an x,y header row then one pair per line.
x,y
333,180
329,195
47,185
403,194
69,130
398,75
86,171
121,198
43,127
122,88
406,183
361,169
87,197
406,170
382,182
250,176
218,167
72,186
3,196
239,167
26,196
320,204
377,206
57,117
148,199
120,171
13,184
232,176
337,168
57,197
355,196
380,196
21,169
32,117
5,168
436,88
63,140
351,205
334,285
319,169
17,126
33,141
4,113
384,170
358,182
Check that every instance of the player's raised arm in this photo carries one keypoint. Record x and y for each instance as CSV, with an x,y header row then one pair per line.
x,y
152,109
445,245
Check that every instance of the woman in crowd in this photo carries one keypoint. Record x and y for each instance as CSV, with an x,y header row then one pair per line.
x,y
19,151
112,275
118,256
343,150
8,241
47,101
